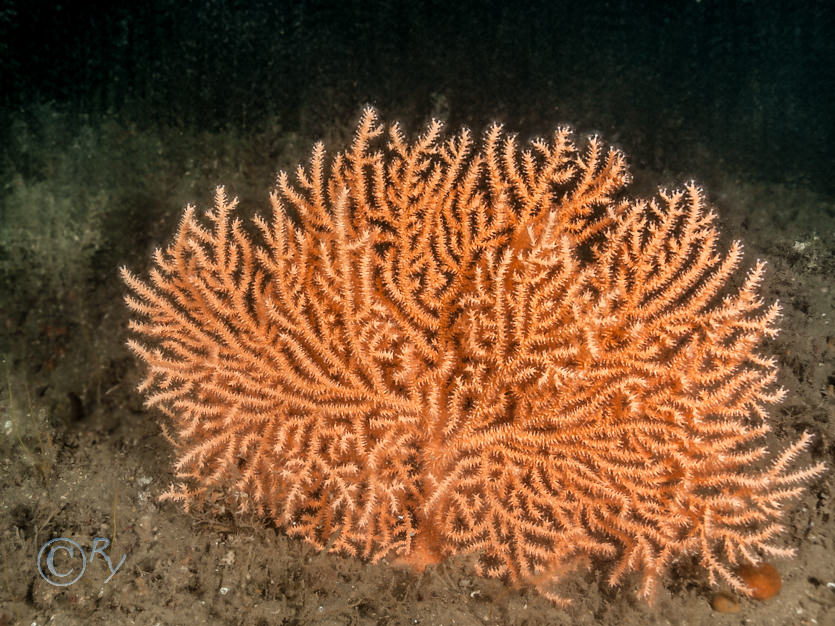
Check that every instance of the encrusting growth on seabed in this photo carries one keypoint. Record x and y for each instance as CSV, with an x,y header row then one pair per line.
x,y
429,348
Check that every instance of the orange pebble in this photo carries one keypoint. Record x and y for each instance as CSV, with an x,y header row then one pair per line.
x,y
725,603
763,579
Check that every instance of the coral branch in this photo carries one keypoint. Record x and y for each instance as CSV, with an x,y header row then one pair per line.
x,y
430,350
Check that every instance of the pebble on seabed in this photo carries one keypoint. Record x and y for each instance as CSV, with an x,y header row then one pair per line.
x,y
725,603
764,580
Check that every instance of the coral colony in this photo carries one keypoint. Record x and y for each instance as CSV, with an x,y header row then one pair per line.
x,y
430,348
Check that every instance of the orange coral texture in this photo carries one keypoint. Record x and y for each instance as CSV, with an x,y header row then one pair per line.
x,y
428,350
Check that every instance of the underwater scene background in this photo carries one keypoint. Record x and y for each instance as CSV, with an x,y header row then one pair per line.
x,y
113,118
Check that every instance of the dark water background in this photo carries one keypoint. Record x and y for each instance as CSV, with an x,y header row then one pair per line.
x,y
750,81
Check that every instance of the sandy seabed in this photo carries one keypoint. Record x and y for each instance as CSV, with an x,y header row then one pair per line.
x,y
92,462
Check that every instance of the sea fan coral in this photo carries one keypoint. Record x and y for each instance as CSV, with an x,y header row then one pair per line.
x,y
428,350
